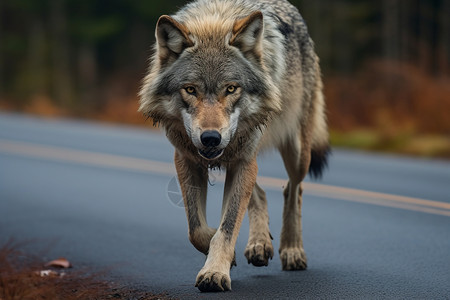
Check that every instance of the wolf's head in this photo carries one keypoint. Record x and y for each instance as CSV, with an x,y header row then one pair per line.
x,y
210,75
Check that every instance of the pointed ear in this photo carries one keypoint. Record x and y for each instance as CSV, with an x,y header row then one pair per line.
x,y
247,34
172,38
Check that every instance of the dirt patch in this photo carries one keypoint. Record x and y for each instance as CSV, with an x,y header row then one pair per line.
x,y
24,276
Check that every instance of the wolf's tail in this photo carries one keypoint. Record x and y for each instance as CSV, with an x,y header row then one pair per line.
x,y
320,146
319,162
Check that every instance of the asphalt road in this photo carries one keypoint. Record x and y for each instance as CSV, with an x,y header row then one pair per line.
x,y
103,196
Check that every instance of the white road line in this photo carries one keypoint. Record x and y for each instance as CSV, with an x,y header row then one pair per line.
x,y
144,165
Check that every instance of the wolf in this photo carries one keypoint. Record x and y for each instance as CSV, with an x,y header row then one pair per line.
x,y
228,79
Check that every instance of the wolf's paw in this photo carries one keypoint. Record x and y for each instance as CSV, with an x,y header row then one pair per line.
x,y
259,251
293,259
213,282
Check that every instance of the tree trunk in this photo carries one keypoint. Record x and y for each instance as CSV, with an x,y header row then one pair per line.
x,y
425,37
36,69
62,81
1,53
391,29
87,72
444,48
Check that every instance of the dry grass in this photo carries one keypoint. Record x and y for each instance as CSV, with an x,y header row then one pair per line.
x,y
20,280
121,111
391,107
390,98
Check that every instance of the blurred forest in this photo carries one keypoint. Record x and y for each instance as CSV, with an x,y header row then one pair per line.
x,y
386,64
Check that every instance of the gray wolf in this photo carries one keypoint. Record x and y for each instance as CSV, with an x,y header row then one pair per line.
x,y
228,79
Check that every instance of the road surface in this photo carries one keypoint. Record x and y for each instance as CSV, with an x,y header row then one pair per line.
x,y
104,196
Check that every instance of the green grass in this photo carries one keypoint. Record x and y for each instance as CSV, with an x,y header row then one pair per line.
x,y
436,146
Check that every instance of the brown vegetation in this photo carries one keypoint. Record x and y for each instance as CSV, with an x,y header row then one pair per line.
x,y
390,97
391,107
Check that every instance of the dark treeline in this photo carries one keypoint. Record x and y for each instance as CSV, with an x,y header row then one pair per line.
x,y
70,50
81,54
348,33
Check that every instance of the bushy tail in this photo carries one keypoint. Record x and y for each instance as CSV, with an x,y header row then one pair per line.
x,y
319,161
320,146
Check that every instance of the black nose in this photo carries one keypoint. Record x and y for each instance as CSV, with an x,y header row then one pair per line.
x,y
211,138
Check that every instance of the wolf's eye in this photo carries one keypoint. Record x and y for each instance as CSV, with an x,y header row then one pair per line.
x,y
190,90
231,89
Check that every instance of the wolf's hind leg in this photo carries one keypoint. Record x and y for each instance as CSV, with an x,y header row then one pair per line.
x,y
193,182
259,247
296,156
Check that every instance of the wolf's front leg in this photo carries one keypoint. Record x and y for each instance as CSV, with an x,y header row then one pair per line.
x,y
239,183
193,180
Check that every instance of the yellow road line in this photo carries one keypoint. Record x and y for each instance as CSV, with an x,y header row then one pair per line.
x,y
86,157
145,165
335,190
361,196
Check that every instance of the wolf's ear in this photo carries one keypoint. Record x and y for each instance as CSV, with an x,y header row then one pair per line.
x,y
172,38
247,34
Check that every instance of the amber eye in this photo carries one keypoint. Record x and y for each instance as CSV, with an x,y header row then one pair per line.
x,y
231,89
190,90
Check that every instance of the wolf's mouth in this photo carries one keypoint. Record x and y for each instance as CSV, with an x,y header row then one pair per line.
x,y
210,153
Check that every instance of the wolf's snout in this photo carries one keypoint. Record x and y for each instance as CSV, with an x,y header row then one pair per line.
x,y
211,138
